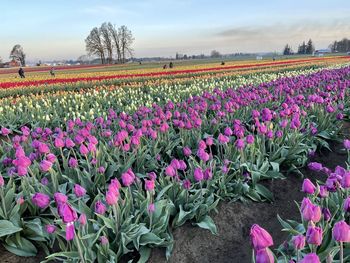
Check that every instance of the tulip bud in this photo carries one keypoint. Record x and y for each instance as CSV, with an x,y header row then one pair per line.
x,y
298,242
260,238
314,235
341,232
50,229
79,191
308,187
82,219
41,200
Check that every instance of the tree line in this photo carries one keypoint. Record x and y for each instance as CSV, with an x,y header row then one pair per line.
x,y
109,42
304,48
340,46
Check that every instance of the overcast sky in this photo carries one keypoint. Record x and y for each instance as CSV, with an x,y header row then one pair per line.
x,y
57,29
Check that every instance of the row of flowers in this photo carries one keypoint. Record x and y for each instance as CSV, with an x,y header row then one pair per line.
x,y
152,73
52,110
323,234
145,81
102,189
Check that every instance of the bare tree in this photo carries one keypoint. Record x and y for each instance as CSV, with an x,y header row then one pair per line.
x,y
17,53
94,44
116,40
107,41
126,40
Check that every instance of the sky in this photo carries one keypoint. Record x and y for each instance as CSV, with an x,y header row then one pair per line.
x,y
56,29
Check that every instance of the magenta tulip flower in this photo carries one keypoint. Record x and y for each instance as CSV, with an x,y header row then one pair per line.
x,y
264,255
128,177
100,208
341,232
298,242
50,229
79,191
308,187
41,200
310,258
314,235
260,238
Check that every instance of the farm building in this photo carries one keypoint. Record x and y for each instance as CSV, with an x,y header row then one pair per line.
x,y
322,52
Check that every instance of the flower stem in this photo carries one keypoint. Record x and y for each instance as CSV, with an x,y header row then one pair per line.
x,y
341,252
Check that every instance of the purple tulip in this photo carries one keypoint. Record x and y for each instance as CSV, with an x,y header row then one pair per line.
x,y
347,144
314,235
187,151
60,198
260,238
298,242
45,165
347,204
128,177
314,166
310,258
264,256
240,144
41,200
50,229
198,174
250,139
79,191
59,143
73,163
310,212
341,232
100,208
104,240
170,171
308,187
112,197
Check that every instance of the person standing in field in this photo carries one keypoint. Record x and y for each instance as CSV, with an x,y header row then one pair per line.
x,y
52,72
21,73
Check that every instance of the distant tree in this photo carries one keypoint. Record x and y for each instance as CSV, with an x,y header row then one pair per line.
x,y
302,48
177,56
17,53
340,46
0,59
94,44
126,40
113,31
310,47
185,56
107,41
215,54
287,50
83,59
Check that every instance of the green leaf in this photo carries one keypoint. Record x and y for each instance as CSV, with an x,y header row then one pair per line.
x,y
21,247
208,223
150,238
263,191
145,253
7,228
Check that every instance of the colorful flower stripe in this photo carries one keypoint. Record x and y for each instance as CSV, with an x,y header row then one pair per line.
x,y
5,85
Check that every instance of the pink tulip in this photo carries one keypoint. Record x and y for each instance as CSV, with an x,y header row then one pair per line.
x,y
2,182
198,174
59,143
149,185
128,177
298,242
41,200
60,198
310,258
82,219
100,208
260,238
70,231
310,212
347,144
112,197
314,235
341,232
72,162
170,171
308,187
50,229
45,165
264,255
79,191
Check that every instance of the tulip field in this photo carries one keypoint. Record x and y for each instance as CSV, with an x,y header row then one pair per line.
x,y
103,164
